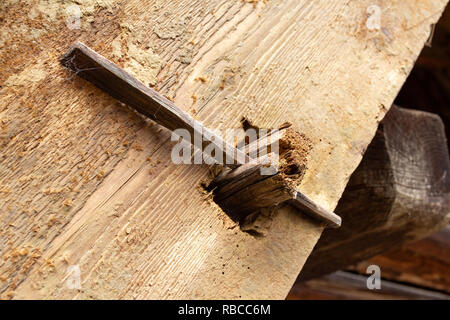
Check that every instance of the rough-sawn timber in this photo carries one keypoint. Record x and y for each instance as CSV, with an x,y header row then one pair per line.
x,y
84,181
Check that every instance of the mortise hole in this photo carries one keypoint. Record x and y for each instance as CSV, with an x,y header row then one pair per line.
x,y
292,169
249,199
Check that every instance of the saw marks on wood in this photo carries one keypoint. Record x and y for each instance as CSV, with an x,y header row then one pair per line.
x,y
85,181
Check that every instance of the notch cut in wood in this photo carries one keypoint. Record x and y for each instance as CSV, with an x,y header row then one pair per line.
x,y
242,180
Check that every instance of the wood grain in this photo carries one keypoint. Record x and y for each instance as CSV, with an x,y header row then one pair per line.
x,y
400,193
87,182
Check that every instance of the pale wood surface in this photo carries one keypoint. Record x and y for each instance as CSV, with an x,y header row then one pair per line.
x,y
75,183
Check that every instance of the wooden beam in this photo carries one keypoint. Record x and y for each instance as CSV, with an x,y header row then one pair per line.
x,y
87,182
399,193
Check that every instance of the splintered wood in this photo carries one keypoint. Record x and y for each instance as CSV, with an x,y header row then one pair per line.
x,y
75,187
270,179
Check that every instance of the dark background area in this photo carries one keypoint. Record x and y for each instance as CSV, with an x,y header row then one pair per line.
x,y
428,86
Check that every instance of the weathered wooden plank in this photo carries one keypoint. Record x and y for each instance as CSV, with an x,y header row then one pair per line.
x,y
399,193
76,185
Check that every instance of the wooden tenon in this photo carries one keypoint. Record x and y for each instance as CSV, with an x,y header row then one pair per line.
x,y
241,187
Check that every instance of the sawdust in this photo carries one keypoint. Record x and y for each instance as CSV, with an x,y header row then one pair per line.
x,y
294,150
116,47
291,230
202,79
194,99
143,64
254,2
175,28
33,123
127,26
228,78
185,56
